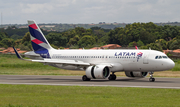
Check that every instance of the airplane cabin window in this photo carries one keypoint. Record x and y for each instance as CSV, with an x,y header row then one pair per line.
x,y
160,57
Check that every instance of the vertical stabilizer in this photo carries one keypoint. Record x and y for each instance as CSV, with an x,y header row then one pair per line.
x,y
39,43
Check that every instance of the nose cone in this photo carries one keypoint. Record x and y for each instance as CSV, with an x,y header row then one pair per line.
x,y
170,64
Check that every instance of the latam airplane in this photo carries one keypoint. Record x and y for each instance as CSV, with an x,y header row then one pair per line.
x,y
99,64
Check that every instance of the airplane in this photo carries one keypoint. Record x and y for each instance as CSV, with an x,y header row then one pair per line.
x,y
98,64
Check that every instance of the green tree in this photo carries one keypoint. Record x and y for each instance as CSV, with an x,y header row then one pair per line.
x,y
15,37
140,43
154,46
132,44
57,39
168,44
175,44
2,45
74,40
3,35
162,43
8,41
26,38
86,40
23,47
17,42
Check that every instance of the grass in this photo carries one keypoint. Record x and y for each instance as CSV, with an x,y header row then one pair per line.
x,y
177,65
11,65
76,96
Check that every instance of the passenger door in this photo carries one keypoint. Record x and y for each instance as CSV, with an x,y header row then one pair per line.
x,y
145,58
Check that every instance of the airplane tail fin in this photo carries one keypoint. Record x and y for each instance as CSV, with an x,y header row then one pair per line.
x,y
39,43
136,47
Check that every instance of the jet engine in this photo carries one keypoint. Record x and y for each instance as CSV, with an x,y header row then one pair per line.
x,y
98,72
136,74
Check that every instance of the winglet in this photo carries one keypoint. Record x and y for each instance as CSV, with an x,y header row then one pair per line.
x,y
19,56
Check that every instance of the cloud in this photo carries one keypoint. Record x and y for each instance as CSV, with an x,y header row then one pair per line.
x,y
36,8
89,11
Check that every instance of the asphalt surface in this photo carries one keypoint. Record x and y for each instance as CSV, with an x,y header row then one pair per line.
x,y
172,83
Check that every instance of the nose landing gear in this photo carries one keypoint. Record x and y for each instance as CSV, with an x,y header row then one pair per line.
x,y
151,79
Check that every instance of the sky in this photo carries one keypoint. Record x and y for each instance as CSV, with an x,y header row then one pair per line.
x,y
89,11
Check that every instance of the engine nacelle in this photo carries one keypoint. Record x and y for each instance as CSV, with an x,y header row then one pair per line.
x,y
98,72
136,74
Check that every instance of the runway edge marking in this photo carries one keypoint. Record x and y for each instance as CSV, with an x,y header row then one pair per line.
x,y
92,85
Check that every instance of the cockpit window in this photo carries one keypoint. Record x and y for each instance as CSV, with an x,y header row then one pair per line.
x,y
160,57
165,57
156,57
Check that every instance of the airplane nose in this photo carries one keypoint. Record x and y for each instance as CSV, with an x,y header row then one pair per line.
x,y
170,64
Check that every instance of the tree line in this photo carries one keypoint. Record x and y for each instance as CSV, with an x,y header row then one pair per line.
x,y
143,35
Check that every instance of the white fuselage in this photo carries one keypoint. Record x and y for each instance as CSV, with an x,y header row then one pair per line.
x,y
121,60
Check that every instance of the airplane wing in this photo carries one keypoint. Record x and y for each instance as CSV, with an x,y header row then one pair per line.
x,y
69,62
55,61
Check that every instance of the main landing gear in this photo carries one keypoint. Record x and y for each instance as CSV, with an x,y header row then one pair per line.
x,y
112,76
151,79
85,78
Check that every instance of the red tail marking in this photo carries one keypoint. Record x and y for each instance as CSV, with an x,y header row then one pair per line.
x,y
33,26
136,47
37,41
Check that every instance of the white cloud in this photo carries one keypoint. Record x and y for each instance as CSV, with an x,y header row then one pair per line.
x,y
90,11
36,8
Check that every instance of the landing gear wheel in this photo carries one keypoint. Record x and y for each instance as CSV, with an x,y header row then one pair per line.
x,y
112,77
151,79
85,78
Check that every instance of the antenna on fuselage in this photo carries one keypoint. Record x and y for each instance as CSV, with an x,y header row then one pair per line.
x,y
149,48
